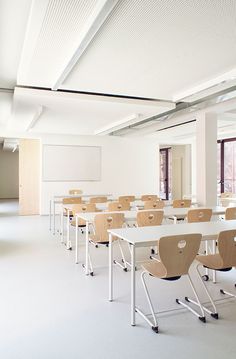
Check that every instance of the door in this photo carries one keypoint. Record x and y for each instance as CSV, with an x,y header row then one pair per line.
x,y
29,172
165,173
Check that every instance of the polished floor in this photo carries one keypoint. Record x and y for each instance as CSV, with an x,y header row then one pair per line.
x,y
50,310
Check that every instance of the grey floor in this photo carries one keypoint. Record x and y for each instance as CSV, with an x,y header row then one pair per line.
x,y
50,309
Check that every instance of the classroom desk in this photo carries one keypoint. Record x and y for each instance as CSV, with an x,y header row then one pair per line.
x,y
148,236
57,199
88,217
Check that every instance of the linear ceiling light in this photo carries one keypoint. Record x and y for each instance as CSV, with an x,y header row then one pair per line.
x,y
95,21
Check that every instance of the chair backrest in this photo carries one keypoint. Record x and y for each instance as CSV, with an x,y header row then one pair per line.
x,y
227,248
181,203
98,199
178,252
75,191
126,199
149,218
79,208
149,197
72,200
230,213
154,204
199,215
226,195
105,221
118,206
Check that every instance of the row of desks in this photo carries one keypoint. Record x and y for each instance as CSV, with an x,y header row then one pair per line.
x,y
148,236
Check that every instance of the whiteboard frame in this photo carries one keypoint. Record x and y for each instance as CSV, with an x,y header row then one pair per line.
x,y
75,180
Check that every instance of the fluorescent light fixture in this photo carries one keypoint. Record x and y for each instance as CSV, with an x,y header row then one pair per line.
x,y
35,118
102,9
118,125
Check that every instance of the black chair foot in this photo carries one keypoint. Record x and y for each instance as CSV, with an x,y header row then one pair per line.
x,y
203,319
125,269
215,315
222,291
177,301
205,277
155,329
187,300
152,251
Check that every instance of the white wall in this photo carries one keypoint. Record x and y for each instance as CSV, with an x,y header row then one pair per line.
x,y
129,166
9,174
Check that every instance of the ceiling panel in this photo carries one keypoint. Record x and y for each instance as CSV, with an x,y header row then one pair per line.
x,y
158,48
13,22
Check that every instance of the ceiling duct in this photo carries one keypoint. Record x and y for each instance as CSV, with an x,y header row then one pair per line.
x,y
183,108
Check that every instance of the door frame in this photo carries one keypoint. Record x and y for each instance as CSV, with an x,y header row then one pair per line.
x,y
166,151
222,160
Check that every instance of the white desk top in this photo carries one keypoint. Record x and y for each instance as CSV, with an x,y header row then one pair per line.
x,y
150,235
81,195
131,215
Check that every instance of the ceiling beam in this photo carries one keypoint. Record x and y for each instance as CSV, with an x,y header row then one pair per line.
x,y
94,23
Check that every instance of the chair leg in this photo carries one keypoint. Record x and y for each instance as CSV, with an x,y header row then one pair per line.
x,y
198,303
222,291
214,314
123,266
153,324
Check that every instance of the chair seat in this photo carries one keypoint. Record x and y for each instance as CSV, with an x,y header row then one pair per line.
x,y
96,239
211,261
155,268
73,223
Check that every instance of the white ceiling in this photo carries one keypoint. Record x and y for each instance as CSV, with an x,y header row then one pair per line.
x,y
13,22
162,49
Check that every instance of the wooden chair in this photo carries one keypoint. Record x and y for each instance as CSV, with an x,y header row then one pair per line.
x,y
80,208
102,223
230,213
118,206
126,199
98,199
149,197
67,212
75,191
176,253
154,204
223,261
149,218
226,194
182,203
199,215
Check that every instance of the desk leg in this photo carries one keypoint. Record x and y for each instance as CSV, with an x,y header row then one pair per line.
x,y
214,252
76,239
62,226
68,230
133,285
54,225
50,215
110,268
87,250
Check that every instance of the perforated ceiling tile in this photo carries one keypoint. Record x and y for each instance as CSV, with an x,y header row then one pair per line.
x,y
54,28
157,48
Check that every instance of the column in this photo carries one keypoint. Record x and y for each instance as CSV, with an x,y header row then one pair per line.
x,y
206,159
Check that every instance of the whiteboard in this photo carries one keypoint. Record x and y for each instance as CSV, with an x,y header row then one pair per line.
x,y
71,163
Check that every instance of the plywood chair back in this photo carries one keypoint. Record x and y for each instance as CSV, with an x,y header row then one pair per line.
x,y
154,204
149,218
226,195
178,252
105,221
101,199
199,215
127,199
149,197
181,203
75,191
79,208
72,200
118,206
227,248
230,213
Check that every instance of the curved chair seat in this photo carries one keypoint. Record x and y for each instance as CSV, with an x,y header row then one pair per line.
x,y
211,261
